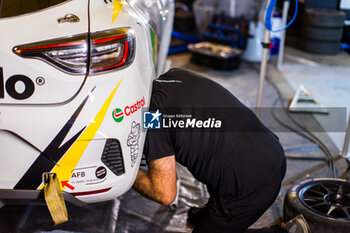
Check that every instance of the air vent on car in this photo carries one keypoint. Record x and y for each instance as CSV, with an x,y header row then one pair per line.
x,y
112,156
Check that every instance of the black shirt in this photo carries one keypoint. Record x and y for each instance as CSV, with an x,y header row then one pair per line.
x,y
233,159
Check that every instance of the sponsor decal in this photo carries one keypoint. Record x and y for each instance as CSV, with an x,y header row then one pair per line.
x,y
88,176
101,172
9,86
118,114
78,174
133,141
153,120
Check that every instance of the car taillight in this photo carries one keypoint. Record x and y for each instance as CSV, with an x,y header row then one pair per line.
x,y
111,49
68,54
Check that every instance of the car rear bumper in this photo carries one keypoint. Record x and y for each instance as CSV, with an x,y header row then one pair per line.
x,y
18,197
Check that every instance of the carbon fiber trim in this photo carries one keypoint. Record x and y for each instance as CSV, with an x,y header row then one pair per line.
x,y
112,156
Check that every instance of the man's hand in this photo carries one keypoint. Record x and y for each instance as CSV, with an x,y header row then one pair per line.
x,y
159,183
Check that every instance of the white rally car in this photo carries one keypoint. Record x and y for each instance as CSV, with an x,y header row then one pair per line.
x,y
74,77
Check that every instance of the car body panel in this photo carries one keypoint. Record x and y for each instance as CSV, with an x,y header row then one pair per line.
x,y
43,26
66,128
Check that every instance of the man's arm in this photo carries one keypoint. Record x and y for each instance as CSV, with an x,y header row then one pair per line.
x,y
159,183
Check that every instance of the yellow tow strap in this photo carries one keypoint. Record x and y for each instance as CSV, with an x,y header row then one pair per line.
x,y
54,199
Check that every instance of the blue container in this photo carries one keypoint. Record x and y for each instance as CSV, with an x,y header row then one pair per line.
x,y
275,37
275,46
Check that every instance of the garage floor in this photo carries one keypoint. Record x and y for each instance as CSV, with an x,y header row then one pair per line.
x,y
328,79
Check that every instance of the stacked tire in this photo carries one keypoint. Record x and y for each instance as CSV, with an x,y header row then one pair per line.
x,y
322,31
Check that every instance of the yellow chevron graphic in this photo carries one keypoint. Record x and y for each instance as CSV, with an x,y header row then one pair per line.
x,y
64,168
117,6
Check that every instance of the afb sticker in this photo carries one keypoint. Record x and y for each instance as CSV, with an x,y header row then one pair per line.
x,y
88,176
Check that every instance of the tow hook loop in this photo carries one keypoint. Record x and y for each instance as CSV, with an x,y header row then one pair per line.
x,y
54,199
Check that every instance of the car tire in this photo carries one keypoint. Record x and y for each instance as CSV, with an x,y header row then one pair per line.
x,y
320,47
324,34
324,17
324,202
